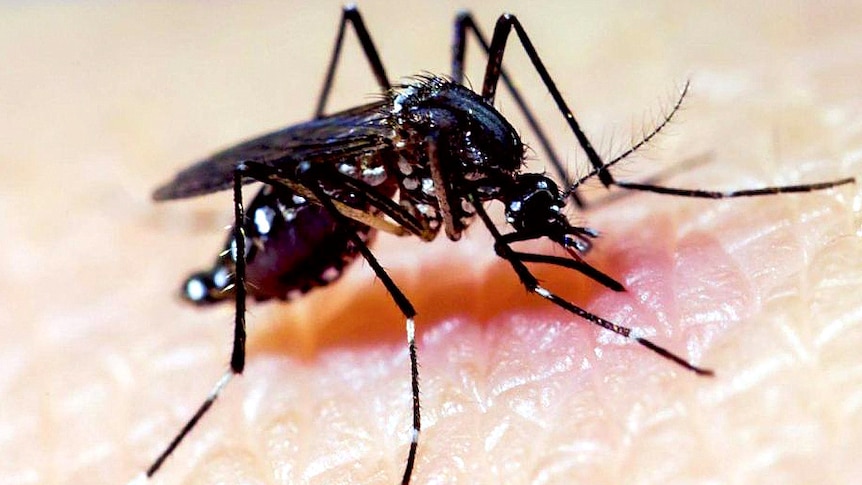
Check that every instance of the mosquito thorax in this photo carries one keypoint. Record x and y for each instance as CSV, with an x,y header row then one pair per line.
x,y
469,131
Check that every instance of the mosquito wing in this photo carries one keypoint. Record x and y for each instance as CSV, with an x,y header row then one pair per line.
x,y
359,130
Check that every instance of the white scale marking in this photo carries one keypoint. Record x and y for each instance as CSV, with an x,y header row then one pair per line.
x,y
195,289
543,292
411,331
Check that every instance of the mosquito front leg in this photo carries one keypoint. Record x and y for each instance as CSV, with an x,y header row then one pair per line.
x,y
712,194
532,285
503,248
465,24
494,70
579,266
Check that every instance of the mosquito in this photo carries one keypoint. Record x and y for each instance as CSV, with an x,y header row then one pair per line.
x,y
425,156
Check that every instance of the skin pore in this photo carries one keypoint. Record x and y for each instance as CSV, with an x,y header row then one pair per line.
x,y
103,363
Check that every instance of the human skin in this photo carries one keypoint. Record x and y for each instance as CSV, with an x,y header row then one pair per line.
x,y
103,363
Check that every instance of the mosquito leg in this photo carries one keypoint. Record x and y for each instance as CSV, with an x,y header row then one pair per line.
x,y
684,166
703,194
521,236
711,194
451,222
368,194
574,264
400,300
237,359
598,171
351,15
464,24
532,284
494,71
392,209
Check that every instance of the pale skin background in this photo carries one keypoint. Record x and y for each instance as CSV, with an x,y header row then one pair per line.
x,y
102,363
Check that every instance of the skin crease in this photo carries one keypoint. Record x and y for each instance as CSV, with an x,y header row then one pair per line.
x,y
103,363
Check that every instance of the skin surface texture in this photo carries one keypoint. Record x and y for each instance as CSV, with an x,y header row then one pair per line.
x,y
102,363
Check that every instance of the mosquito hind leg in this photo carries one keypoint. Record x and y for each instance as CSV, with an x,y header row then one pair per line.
x,y
400,299
237,359
350,14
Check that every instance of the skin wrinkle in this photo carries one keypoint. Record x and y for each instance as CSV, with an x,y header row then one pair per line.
x,y
103,363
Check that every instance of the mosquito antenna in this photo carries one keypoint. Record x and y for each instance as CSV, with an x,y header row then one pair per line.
x,y
664,122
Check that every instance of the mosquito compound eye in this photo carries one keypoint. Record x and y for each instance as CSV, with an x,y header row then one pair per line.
x,y
532,212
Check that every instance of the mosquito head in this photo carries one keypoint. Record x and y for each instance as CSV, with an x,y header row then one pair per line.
x,y
534,208
534,204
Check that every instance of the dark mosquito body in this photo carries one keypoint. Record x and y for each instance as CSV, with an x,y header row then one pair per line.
x,y
293,244
424,158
